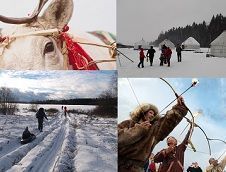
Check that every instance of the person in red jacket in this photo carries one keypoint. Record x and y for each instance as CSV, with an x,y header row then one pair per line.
x,y
142,56
167,54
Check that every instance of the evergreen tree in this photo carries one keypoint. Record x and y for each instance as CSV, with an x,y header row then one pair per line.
x,y
202,32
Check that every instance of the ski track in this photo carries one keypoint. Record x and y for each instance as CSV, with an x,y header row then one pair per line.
x,y
59,148
52,150
43,154
13,144
15,153
65,160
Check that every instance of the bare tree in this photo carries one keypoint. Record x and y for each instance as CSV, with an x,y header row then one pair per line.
x,y
108,105
7,105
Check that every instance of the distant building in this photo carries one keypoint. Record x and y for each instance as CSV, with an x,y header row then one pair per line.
x,y
218,46
145,45
190,44
167,43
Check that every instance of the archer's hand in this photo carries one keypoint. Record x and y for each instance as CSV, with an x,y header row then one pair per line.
x,y
145,124
180,100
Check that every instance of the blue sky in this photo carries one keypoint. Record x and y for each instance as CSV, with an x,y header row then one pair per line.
x,y
208,97
56,84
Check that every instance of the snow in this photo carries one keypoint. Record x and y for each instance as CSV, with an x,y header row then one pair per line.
x,y
75,143
192,65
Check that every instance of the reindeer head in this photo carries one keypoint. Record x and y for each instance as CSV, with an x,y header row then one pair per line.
x,y
35,51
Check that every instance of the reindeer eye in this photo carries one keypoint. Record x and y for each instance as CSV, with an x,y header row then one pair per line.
x,y
49,47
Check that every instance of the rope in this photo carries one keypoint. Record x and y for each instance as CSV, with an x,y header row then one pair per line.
x,y
133,92
53,32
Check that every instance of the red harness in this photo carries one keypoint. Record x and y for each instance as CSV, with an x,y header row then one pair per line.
x,y
78,58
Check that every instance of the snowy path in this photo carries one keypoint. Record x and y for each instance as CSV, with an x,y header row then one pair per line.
x,y
192,65
12,144
43,154
78,143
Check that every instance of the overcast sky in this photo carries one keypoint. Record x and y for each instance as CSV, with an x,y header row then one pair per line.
x,y
209,97
88,15
137,19
57,84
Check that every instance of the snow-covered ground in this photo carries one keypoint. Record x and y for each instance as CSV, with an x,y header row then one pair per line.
x,y
192,65
78,143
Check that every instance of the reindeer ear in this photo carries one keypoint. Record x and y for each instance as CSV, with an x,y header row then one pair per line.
x,y
58,14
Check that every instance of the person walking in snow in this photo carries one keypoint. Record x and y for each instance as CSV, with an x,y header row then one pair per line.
x,y
172,158
65,111
167,54
150,54
178,50
138,136
162,55
41,115
142,56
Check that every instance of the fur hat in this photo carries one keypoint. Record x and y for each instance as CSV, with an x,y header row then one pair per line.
x,y
142,109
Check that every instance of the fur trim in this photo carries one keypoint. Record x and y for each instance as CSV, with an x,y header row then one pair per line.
x,y
142,109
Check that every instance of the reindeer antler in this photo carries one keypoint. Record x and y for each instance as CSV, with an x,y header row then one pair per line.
x,y
32,17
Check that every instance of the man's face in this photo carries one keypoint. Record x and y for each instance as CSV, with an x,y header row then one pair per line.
x,y
171,141
214,162
149,115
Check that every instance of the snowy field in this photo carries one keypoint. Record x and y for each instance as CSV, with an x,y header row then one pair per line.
x,y
192,65
78,143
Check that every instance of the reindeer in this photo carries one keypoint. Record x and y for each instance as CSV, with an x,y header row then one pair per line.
x,y
42,42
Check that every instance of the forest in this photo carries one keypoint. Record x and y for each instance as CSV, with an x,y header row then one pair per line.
x,y
204,33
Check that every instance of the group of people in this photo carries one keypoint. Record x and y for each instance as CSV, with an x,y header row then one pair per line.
x,y
165,55
151,166
27,136
64,109
138,136
40,115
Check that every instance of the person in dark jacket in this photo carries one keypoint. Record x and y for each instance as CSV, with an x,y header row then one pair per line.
x,y
178,50
194,168
26,134
40,115
65,111
162,55
142,56
150,54
172,158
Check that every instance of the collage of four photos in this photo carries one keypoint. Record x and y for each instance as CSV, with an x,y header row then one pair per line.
x,y
117,85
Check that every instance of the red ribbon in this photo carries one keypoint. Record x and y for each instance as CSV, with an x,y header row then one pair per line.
x,y
78,58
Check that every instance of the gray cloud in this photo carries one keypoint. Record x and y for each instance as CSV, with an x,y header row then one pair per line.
x,y
145,18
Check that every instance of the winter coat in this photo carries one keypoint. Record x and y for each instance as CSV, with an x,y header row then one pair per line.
x,y
41,115
173,161
193,169
135,142
142,56
219,168
167,53
26,134
178,50
151,53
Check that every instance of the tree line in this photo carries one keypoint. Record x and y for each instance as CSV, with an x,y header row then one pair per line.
x,y
106,102
204,33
